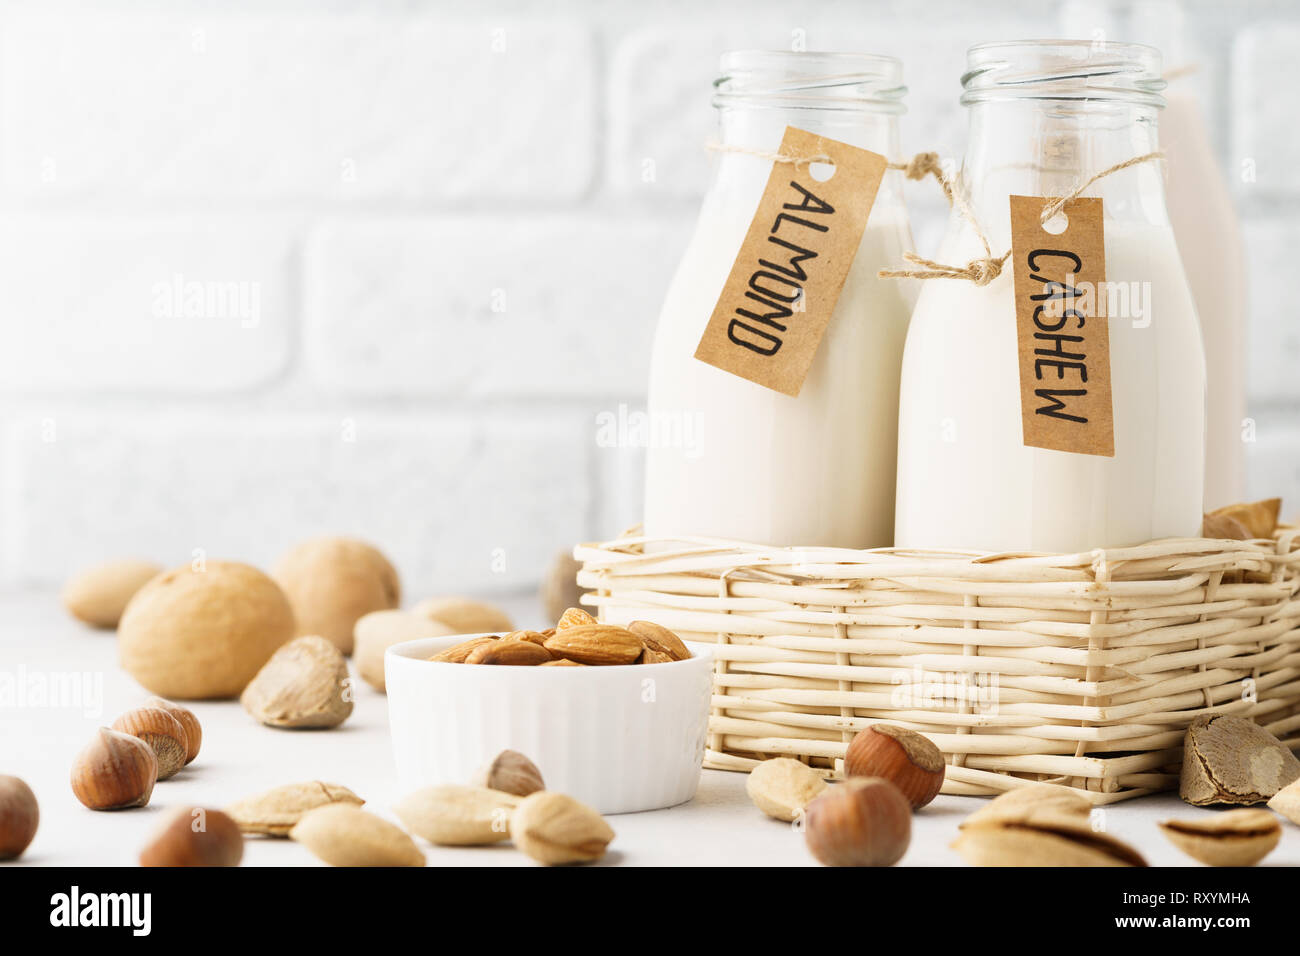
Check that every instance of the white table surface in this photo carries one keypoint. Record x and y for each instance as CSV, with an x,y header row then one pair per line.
x,y
38,641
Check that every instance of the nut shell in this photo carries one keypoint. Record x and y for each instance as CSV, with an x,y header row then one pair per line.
x,y
1231,838
188,719
115,771
1040,825
555,829
331,583
194,836
100,594
452,815
465,615
906,759
162,732
377,631
305,684
864,821
203,634
1229,759
510,772
19,817
342,835
275,812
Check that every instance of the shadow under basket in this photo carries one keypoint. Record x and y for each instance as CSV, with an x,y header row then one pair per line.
x,y
1081,669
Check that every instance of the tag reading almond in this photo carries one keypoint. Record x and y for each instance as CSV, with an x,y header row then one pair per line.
x,y
1061,328
791,267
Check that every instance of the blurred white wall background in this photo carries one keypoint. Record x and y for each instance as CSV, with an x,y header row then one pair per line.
x,y
277,269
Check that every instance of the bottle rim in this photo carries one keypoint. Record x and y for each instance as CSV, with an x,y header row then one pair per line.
x,y
786,79
1063,70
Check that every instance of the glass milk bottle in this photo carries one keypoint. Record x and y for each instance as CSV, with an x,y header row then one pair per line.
x,y
729,458
1045,117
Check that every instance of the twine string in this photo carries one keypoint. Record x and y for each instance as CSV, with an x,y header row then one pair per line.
x,y
980,271
918,167
984,270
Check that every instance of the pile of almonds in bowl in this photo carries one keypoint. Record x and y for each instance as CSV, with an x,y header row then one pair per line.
x,y
577,640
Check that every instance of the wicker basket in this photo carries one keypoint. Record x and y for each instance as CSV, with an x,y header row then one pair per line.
x,y
1081,669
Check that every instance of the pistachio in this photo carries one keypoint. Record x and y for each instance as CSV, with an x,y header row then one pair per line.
x,y
555,829
782,787
275,812
1231,838
1229,759
1040,825
453,815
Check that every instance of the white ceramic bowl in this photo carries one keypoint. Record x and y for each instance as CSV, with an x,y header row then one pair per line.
x,y
619,739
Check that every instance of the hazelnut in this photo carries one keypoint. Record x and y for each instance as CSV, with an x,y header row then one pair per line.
x,y
906,759
193,836
864,821
510,772
193,730
114,772
19,816
162,732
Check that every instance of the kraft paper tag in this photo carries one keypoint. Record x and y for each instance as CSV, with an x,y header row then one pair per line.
x,y
791,267
1062,329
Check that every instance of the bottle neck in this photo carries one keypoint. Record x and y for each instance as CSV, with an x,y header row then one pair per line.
x,y
1039,147
748,135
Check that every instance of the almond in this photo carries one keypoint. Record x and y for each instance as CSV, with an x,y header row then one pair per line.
x,y
596,644
574,617
509,653
458,653
659,638
563,663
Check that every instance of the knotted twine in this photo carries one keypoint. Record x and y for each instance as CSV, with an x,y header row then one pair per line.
x,y
980,271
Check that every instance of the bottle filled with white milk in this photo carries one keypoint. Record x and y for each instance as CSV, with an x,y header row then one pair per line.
x,y
734,459
1046,117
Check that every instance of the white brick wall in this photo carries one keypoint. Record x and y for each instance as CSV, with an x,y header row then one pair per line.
x,y
454,224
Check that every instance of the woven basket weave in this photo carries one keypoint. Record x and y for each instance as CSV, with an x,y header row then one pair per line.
x,y
1081,669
